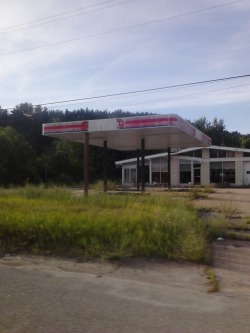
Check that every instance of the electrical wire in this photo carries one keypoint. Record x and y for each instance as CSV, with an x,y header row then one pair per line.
x,y
49,17
68,17
79,9
184,96
121,29
196,83
158,100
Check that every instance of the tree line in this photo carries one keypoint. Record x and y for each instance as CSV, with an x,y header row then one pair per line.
x,y
28,157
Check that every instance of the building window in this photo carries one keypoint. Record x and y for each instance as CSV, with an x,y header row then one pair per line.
x,y
185,172
193,153
126,176
133,176
198,153
159,171
217,153
221,153
229,172
197,173
129,176
222,172
230,153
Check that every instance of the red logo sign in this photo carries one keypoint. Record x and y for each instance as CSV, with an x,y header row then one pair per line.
x,y
67,127
145,122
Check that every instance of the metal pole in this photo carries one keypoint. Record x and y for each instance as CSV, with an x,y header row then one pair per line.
x,y
86,164
143,165
105,187
169,168
138,169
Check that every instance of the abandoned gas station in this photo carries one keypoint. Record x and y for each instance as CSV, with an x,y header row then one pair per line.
x,y
161,132
212,165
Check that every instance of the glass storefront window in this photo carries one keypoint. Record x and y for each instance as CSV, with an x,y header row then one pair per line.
x,y
129,176
185,172
216,172
229,172
133,176
222,172
159,170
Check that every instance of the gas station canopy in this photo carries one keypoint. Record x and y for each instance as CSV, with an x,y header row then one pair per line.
x,y
158,132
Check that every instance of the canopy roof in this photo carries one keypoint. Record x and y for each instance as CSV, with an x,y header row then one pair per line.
x,y
159,132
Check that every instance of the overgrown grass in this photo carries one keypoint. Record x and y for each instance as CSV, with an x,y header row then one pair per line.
x,y
217,226
213,281
55,221
229,210
98,186
198,192
240,235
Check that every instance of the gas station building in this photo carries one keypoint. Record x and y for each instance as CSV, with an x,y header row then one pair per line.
x,y
212,165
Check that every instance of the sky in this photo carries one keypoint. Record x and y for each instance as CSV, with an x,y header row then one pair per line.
x,y
61,50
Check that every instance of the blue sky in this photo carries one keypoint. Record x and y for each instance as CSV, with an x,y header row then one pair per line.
x,y
205,45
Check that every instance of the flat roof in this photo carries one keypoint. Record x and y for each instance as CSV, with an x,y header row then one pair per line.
x,y
159,132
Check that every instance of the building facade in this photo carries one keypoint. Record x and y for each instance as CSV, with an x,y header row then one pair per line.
x,y
211,165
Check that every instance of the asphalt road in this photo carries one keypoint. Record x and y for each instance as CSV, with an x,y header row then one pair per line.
x,y
42,295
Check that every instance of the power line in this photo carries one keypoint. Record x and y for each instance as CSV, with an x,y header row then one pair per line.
x,y
166,98
49,17
68,17
188,95
122,28
144,90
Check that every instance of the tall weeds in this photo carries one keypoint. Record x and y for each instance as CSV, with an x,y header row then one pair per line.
x,y
55,221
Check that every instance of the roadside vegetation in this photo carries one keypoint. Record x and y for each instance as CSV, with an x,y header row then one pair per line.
x,y
213,280
56,221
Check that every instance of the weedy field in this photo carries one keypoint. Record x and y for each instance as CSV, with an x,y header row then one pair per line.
x,y
55,221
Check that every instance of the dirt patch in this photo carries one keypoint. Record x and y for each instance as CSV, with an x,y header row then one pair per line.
x,y
232,266
231,257
234,201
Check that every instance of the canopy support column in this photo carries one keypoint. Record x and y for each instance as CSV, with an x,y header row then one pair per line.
x,y
105,186
86,164
138,169
143,165
169,168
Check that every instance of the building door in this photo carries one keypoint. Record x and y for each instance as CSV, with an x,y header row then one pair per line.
x,y
247,173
